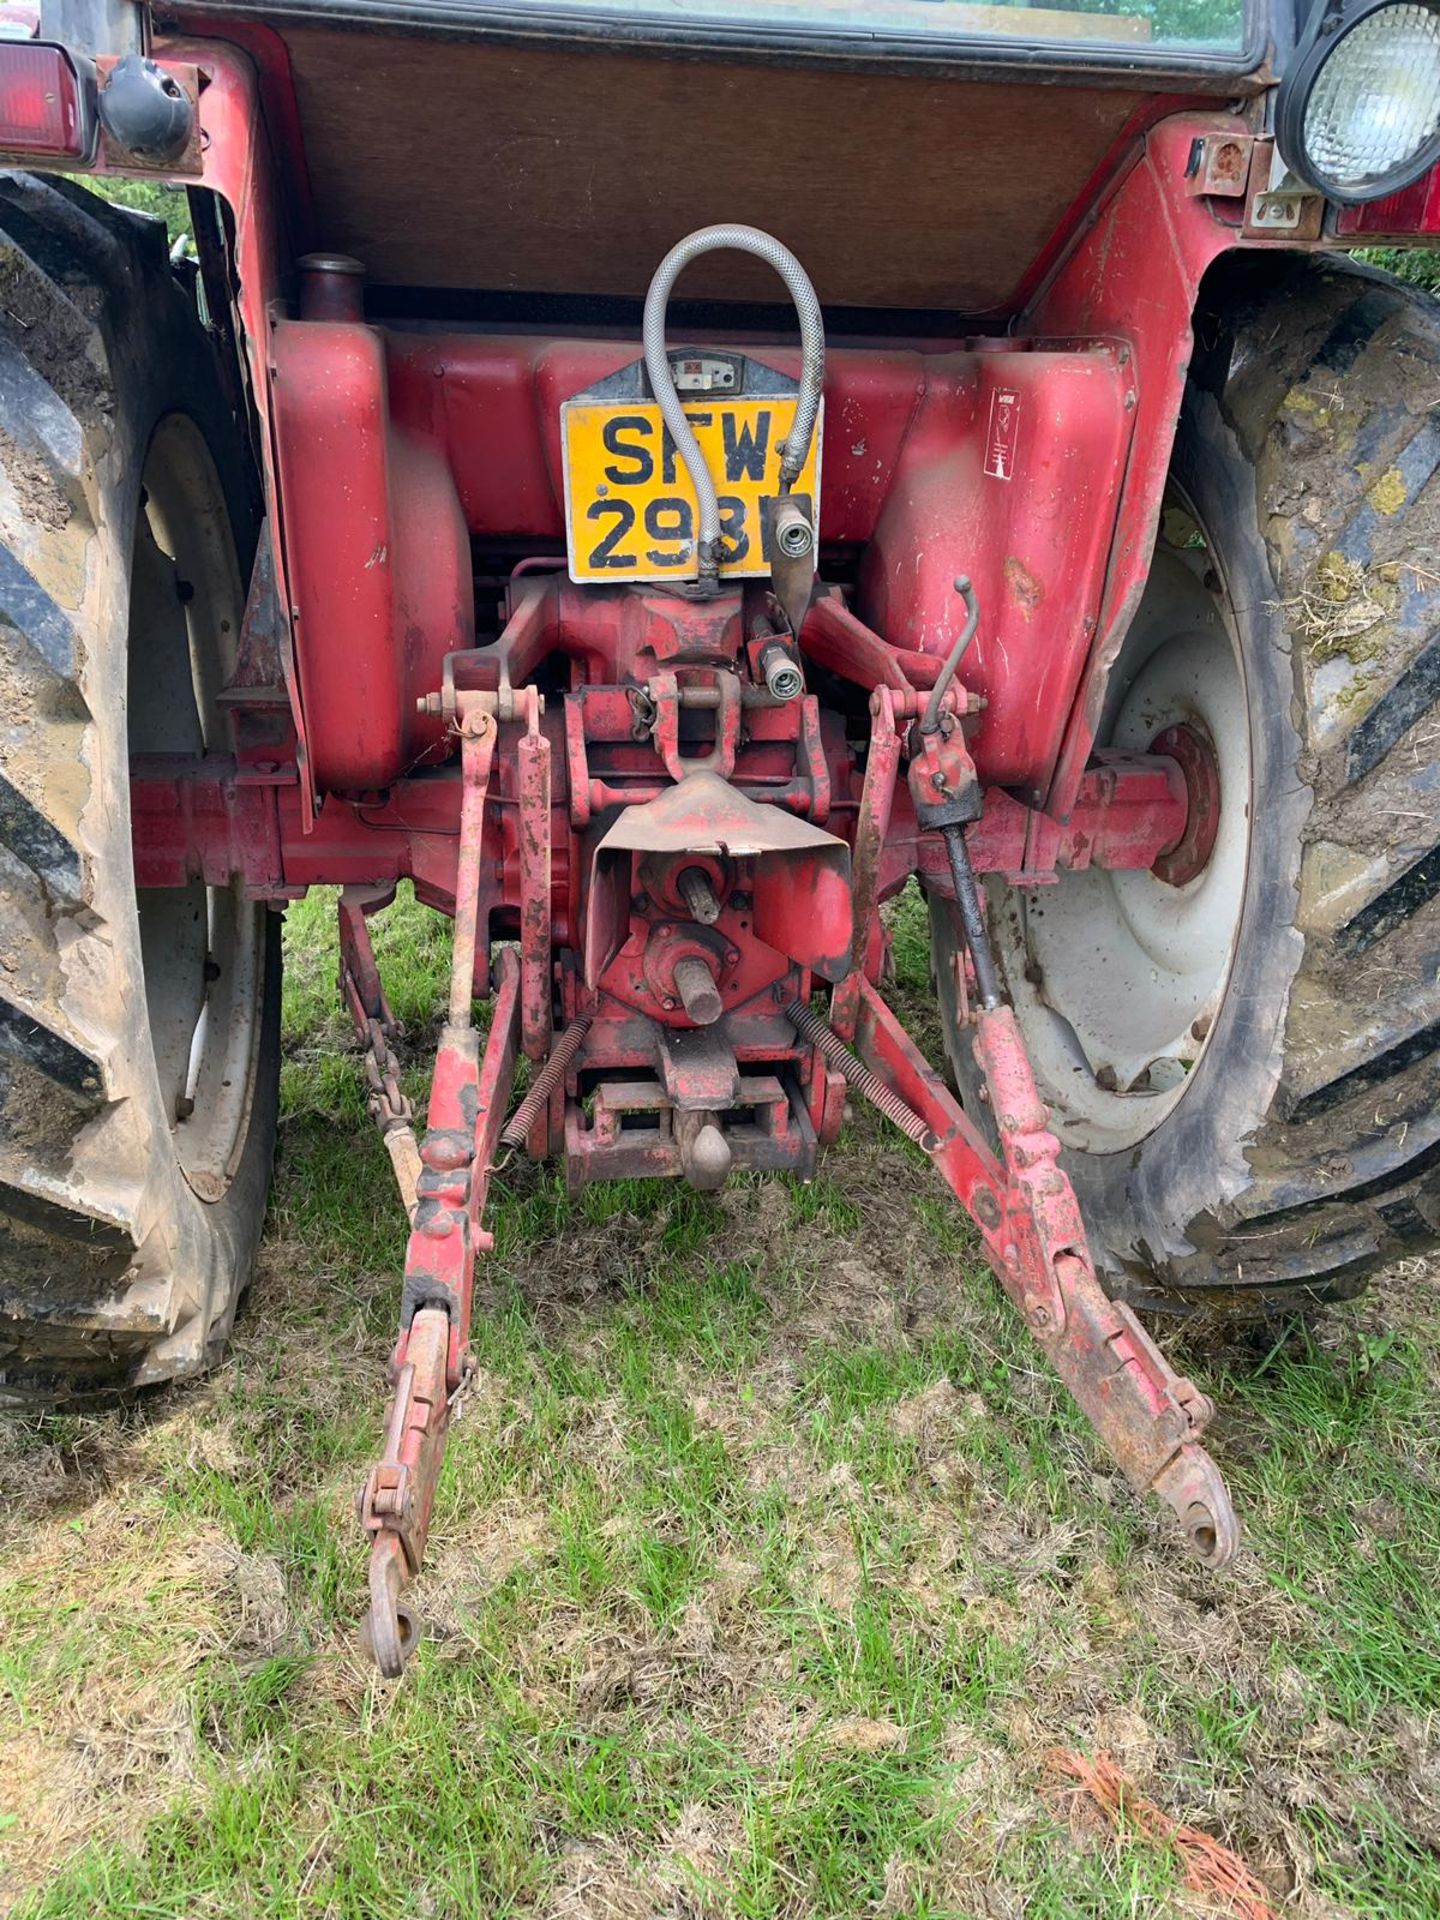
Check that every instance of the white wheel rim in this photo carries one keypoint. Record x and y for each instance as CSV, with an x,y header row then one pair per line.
x,y
1117,978
201,946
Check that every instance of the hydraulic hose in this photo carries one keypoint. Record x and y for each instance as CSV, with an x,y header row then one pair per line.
x,y
662,383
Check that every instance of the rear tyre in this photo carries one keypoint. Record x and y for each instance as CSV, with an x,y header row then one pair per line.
x,y
1244,1067
139,1031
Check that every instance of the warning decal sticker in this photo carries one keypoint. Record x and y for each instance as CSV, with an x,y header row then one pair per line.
x,y
1000,440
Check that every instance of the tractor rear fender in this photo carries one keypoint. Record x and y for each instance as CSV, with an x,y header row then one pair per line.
x,y
1133,276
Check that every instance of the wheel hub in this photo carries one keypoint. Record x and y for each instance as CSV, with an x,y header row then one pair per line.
x,y
1119,976
1193,752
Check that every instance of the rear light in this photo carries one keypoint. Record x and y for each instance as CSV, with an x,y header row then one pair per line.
x,y
44,103
1414,210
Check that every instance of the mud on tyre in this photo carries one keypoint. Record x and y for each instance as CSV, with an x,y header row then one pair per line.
x,y
138,1030
1245,1068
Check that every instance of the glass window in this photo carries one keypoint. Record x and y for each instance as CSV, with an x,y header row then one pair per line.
x,y
1147,26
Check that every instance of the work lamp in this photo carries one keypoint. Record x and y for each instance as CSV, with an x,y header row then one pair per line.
x,y
1358,114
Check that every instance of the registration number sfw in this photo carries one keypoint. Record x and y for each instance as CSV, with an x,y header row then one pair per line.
x,y
629,504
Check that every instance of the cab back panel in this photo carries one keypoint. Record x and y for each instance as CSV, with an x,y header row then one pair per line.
x,y
475,165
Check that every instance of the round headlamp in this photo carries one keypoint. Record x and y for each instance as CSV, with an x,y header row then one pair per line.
x,y
1358,115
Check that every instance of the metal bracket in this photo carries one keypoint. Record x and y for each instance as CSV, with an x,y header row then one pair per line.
x,y
1219,166
1276,202
720,693
788,520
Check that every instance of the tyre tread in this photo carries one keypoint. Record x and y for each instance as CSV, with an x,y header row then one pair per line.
x,y
87,1305
1351,1150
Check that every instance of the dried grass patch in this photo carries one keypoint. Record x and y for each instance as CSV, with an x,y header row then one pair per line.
x,y
117,1614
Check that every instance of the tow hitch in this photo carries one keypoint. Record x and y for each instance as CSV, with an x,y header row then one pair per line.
x,y
710,900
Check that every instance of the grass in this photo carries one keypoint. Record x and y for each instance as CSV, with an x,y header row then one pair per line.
x,y
768,1564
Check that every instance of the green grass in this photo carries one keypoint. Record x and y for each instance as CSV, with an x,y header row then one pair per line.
x,y
768,1565
1420,267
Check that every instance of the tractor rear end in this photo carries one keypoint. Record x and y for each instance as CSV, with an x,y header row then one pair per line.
x,y
725,852
662,647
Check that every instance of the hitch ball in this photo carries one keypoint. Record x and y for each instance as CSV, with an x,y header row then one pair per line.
x,y
706,1158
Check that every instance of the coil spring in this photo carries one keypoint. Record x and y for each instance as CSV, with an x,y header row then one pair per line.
x,y
809,1025
517,1127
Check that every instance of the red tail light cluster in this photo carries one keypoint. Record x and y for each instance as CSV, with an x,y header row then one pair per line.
x,y
1414,210
44,108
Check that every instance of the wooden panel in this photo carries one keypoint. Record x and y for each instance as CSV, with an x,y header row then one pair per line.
x,y
475,165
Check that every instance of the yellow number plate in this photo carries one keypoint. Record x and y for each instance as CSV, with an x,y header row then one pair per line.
x,y
629,504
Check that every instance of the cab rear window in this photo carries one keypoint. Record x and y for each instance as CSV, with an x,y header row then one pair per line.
x,y
1142,26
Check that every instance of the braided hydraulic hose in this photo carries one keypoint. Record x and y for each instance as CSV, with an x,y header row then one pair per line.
x,y
662,382
517,1127
808,1024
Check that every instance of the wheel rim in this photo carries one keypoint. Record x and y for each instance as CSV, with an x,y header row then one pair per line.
x,y
201,946
1118,978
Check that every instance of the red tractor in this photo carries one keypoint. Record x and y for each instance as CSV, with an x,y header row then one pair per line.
x,y
459,507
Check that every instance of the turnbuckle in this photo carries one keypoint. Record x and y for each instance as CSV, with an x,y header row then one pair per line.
x,y
375,1027
393,1113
